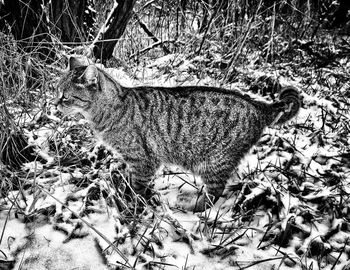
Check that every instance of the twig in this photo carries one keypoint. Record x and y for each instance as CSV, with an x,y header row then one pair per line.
x,y
159,43
150,34
238,52
5,223
270,42
208,27
340,253
102,30
260,261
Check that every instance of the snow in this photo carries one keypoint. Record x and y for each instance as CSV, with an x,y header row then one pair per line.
x,y
75,216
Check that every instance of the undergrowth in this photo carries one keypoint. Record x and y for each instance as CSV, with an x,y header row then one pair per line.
x,y
26,87
222,52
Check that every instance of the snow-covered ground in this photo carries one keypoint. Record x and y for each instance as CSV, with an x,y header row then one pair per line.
x,y
286,208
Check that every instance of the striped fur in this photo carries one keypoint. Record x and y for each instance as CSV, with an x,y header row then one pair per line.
x,y
206,130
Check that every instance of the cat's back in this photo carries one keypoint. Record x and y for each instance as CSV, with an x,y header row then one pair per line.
x,y
196,97
192,115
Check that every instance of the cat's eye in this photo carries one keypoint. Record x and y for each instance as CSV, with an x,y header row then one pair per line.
x,y
65,97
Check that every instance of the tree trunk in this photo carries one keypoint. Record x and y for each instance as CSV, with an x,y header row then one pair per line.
x,y
113,29
150,34
205,20
183,11
339,17
68,19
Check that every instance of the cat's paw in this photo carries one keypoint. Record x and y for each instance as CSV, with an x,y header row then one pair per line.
x,y
193,202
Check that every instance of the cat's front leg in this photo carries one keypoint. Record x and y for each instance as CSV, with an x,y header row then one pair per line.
x,y
142,174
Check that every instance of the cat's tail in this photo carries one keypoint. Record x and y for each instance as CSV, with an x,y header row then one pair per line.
x,y
287,105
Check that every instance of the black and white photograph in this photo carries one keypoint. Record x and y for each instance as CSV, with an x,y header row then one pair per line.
x,y
180,134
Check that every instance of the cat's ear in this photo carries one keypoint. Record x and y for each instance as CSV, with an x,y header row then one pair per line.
x,y
91,75
75,62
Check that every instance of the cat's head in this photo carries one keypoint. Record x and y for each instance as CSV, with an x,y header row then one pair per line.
x,y
79,87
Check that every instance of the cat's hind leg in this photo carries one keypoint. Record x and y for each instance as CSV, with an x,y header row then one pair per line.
x,y
215,182
142,175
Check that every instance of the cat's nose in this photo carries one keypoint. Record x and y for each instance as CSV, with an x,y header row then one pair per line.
x,y
57,101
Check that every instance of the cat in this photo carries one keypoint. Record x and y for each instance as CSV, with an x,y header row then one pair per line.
x,y
205,130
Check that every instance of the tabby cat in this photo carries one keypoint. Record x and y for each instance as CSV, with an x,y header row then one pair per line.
x,y
205,130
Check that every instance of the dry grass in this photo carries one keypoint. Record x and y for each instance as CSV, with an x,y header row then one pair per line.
x,y
25,87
